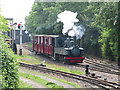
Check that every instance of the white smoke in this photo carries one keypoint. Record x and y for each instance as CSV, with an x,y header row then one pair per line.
x,y
79,31
69,18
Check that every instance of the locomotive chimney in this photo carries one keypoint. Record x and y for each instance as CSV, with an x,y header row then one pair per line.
x,y
81,42
61,35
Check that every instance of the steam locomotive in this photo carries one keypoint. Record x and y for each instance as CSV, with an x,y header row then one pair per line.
x,y
59,47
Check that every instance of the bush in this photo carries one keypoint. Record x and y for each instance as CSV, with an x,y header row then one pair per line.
x,y
8,62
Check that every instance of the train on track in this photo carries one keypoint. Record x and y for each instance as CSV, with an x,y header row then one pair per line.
x,y
59,47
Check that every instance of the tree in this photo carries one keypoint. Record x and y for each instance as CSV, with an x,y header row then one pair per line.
x,y
43,15
106,19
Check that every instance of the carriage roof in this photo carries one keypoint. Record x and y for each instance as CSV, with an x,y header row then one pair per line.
x,y
48,35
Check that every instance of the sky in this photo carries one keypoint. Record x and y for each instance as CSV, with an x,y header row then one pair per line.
x,y
16,9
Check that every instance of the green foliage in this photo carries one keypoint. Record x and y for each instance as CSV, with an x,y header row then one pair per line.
x,y
107,18
30,45
42,16
90,41
104,20
107,53
8,62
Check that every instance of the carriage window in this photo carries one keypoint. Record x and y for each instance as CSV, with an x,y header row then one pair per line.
x,y
38,40
53,42
46,41
49,41
35,40
41,40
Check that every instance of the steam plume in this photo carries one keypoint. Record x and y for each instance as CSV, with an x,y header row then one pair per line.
x,y
69,18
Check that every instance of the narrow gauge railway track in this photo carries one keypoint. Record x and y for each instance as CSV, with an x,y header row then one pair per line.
x,y
101,65
100,83
105,71
99,69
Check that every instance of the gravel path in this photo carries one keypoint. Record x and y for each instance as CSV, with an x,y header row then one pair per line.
x,y
30,82
50,80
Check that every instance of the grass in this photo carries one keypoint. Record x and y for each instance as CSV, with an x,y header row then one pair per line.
x,y
34,60
61,80
61,68
24,85
40,80
30,45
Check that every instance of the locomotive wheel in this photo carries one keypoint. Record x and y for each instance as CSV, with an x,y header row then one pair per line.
x,y
66,62
35,52
56,57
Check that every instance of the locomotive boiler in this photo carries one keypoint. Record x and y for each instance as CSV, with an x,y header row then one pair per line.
x,y
59,47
